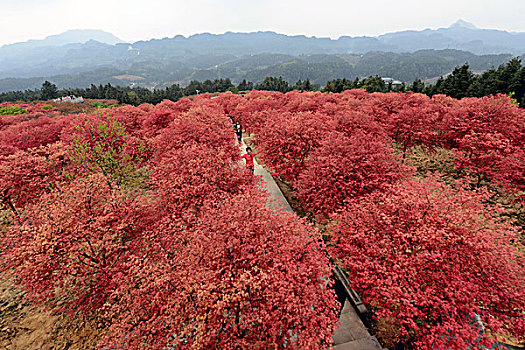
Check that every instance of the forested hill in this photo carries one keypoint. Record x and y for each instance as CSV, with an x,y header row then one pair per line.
x,y
157,63
317,68
460,35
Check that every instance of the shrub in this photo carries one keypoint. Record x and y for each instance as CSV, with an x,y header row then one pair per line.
x,y
99,105
240,277
428,258
12,110
344,167
74,242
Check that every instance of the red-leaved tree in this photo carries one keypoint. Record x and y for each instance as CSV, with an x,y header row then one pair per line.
x,y
239,277
72,245
344,167
26,175
186,177
428,258
288,139
31,133
487,136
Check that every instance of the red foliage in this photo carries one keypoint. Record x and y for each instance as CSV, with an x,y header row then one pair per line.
x,y
511,172
288,139
161,115
186,177
171,237
487,136
157,120
344,167
194,161
229,101
241,277
495,114
199,126
33,109
427,257
417,123
75,241
31,133
26,175
296,101
190,251
256,106
7,120
132,118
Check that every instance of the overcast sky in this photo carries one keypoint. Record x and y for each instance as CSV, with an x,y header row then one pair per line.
x,y
133,20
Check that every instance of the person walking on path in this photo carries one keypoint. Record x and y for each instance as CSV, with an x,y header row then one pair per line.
x,y
249,158
238,131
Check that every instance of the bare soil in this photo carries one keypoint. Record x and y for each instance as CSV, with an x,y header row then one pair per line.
x,y
24,326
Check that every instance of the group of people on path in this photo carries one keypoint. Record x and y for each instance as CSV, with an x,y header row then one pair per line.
x,y
249,153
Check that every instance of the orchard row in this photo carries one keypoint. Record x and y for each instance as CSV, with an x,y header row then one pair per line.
x,y
414,193
143,216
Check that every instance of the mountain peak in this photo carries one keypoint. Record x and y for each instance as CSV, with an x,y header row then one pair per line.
x,y
72,36
82,36
463,24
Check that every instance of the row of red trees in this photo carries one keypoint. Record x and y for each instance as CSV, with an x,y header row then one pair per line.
x,y
426,256
143,216
486,134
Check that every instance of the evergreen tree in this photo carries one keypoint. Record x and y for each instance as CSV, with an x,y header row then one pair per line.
x,y
308,86
48,90
340,85
274,84
174,92
374,84
245,85
457,83
418,86
476,88
194,87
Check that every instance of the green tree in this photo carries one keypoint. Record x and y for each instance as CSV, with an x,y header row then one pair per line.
x,y
48,90
303,85
274,84
434,89
476,88
340,85
194,88
418,86
173,92
457,83
374,84
245,85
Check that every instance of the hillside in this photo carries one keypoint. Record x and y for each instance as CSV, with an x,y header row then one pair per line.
x,y
318,68
79,58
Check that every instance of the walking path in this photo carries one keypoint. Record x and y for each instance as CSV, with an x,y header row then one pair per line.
x,y
270,186
351,334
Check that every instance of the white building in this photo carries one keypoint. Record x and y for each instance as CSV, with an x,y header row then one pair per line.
x,y
392,81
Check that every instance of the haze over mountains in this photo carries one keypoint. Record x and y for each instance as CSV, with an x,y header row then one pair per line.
x,y
74,36
78,58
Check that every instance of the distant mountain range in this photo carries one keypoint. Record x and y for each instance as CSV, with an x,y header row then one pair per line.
x,y
79,57
74,36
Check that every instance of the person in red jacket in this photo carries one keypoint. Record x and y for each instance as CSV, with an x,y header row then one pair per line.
x,y
249,158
